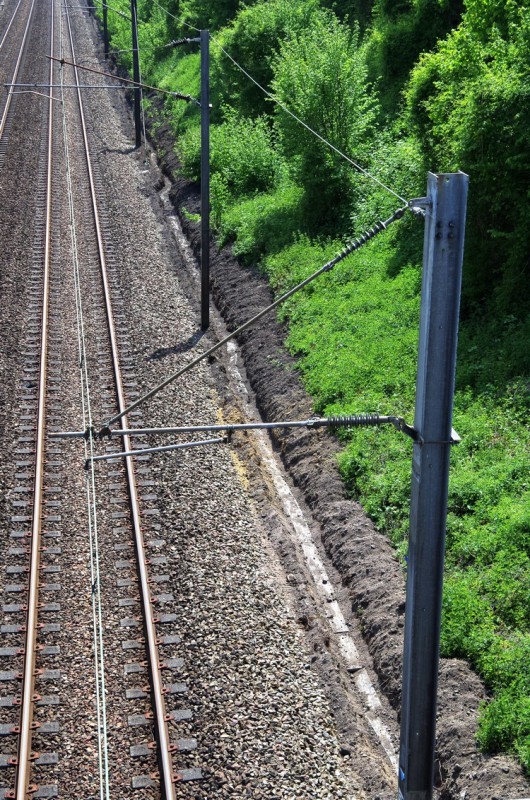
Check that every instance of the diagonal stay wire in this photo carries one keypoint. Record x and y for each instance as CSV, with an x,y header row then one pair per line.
x,y
348,249
287,110
129,81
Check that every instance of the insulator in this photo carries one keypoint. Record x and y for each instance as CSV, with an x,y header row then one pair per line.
x,y
177,42
355,421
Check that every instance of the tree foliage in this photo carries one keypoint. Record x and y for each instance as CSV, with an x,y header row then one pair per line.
x,y
402,29
320,75
469,104
204,14
254,38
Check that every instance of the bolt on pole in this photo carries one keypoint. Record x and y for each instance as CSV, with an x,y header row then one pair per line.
x,y
440,303
205,179
136,74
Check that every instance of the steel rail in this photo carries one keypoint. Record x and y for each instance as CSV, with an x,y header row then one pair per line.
x,y
23,766
15,73
157,689
4,37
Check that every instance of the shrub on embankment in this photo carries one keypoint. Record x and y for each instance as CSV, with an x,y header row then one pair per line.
x,y
402,87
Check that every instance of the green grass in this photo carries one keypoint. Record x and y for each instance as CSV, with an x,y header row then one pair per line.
x,y
355,334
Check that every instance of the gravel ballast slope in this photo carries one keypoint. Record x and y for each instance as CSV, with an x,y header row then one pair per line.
x,y
261,714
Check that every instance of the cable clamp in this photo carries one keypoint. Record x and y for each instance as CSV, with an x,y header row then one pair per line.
x,y
453,439
400,425
314,423
419,205
104,432
90,434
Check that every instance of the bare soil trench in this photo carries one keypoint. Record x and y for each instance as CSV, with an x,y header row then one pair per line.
x,y
371,578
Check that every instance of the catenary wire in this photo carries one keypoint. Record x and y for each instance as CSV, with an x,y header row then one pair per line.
x,y
97,614
287,110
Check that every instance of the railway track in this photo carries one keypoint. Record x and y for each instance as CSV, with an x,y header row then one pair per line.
x,y
108,567
159,689
30,677
30,728
13,45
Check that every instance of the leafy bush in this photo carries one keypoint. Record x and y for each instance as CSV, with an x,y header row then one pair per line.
x,y
207,15
320,74
253,39
505,724
242,154
179,72
468,102
262,224
401,31
359,11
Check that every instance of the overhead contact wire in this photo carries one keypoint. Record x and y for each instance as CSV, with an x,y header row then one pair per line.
x,y
95,583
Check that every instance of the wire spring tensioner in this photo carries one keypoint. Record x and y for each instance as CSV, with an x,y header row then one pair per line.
x,y
364,238
179,42
350,421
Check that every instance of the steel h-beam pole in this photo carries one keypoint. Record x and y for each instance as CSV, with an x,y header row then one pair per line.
x,y
136,74
205,179
440,302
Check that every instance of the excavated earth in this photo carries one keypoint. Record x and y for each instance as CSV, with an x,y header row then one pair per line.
x,y
371,581
363,558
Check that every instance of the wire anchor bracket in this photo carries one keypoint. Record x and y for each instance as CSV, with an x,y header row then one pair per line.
x,y
419,205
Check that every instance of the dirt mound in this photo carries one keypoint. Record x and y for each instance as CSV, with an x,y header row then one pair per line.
x,y
363,557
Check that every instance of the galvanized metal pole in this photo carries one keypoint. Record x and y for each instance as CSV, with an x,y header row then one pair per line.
x,y
136,74
440,303
205,179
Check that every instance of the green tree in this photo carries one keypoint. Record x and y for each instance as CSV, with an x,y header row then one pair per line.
x,y
359,11
207,15
468,103
320,75
253,39
402,29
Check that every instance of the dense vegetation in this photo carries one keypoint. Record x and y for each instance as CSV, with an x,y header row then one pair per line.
x,y
401,86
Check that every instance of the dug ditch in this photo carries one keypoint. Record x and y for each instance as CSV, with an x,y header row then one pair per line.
x,y
369,572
